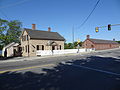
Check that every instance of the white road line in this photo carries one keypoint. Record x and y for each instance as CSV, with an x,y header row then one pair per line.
x,y
98,70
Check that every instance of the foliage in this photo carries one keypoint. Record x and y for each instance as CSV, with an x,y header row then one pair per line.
x,y
72,46
118,42
68,45
1,46
9,31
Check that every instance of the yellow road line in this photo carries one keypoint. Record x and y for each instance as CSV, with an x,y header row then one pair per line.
x,y
26,68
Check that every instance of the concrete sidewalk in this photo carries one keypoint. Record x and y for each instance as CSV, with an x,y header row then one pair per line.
x,y
15,59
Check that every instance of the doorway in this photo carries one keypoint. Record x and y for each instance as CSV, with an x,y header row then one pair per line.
x,y
53,47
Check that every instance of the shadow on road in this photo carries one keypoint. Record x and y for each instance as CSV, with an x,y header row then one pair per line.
x,y
64,77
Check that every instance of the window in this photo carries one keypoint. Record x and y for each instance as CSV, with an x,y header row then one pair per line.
x,y
26,48
37,47
27,37
60,47
23,38
22,48
42,47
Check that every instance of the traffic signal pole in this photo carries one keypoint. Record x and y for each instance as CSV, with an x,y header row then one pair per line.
x,y
109,27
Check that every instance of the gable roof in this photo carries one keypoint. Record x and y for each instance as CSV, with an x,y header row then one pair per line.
x,y
46,35
102,41
11,45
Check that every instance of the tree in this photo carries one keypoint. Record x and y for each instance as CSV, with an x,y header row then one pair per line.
x,y
14,31
68,46
75,44
9,31
65,46
118,42
71,45
3,30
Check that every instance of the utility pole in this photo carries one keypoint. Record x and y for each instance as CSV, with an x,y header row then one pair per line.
x,y
73,35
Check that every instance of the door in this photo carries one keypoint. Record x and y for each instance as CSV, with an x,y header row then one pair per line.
x,y
53,47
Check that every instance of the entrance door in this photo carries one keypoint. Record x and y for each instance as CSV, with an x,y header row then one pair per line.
x,y
5,53
92,47
53,47
14,52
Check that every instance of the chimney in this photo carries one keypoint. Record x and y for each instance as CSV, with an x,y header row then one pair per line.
x,y
33,26
113,39
49,29
88,36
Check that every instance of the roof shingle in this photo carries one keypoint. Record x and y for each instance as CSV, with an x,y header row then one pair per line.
x,y
38,34
103,41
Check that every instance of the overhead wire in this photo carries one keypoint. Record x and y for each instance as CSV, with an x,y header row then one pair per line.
x,y
89,15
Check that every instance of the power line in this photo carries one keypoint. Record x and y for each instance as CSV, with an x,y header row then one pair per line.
x,y
89,14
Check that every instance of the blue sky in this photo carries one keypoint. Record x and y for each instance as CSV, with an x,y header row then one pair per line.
x,y
61,15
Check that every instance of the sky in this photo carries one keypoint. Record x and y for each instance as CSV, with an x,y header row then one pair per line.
x,y
63,15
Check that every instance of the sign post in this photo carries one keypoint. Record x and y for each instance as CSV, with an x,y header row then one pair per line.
x,y
78,45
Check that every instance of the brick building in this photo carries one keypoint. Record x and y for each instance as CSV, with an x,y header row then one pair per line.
x,y
99,44
33,40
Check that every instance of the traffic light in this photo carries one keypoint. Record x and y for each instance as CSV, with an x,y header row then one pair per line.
x,y
96,29
109,27
78,42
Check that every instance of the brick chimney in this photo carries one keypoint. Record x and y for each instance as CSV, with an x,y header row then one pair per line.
x,y
49,29
88,36
33,26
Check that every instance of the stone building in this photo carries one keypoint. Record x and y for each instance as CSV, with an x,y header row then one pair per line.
x,y
99,44
33,40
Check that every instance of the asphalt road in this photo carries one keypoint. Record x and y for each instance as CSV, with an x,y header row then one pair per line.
x,y
93,71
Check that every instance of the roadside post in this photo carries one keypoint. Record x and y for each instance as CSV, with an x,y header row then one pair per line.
x,y
78,45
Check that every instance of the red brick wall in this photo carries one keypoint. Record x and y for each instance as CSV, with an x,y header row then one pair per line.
x,y
105,46
88,44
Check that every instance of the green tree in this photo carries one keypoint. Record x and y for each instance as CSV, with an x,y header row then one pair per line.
x,y
75,44
9,31
65,46
68,46
14,31
118,42
3,30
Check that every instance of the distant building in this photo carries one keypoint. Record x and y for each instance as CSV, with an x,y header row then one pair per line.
x,y
33,40
99,44
12,49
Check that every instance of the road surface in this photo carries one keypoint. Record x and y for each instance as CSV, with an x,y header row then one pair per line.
x,y
93,71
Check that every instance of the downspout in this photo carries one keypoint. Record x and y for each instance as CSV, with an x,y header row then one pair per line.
x,y
28,46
